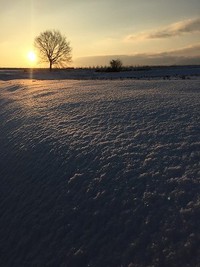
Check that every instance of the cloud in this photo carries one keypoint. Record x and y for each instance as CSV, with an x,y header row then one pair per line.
x,y
185,56
176,29
172,30
189,51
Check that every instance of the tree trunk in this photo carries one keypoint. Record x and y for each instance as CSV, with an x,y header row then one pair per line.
x,y
50,65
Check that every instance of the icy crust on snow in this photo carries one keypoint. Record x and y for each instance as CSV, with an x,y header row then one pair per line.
x,y
100,173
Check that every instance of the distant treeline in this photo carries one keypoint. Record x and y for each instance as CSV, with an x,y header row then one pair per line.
x,y
104,68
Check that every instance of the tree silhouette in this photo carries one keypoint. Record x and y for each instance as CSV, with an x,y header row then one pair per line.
x,y
116,64
53,48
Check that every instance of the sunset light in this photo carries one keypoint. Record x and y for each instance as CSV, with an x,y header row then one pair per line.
x,y
137,32
31,56
99,135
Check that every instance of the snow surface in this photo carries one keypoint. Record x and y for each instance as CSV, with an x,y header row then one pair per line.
x,y
100,173
164,72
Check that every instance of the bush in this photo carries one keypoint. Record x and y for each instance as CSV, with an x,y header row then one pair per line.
x,y
116,64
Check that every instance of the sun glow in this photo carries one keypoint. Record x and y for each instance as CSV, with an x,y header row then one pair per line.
x,y
31,56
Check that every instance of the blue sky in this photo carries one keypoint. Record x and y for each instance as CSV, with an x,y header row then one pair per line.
x,y
101,28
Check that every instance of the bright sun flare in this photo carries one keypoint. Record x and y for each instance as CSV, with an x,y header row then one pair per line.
x,y
31,56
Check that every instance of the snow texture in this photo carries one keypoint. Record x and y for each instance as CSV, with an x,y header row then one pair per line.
x,y
100,173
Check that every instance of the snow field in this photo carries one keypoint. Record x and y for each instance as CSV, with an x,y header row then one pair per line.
x,y
100,173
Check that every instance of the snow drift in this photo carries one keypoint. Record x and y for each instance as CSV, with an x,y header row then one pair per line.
x,y
100,173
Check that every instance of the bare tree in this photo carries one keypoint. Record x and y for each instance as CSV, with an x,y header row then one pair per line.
x,y
53,48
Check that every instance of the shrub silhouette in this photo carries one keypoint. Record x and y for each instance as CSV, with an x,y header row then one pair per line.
x,y
116,64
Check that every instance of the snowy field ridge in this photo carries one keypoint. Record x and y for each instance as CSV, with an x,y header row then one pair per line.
x,y
162,72
100,173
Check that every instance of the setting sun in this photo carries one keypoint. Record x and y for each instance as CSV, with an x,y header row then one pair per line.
x,y
31,56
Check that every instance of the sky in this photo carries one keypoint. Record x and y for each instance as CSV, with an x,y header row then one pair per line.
x,y
139,32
